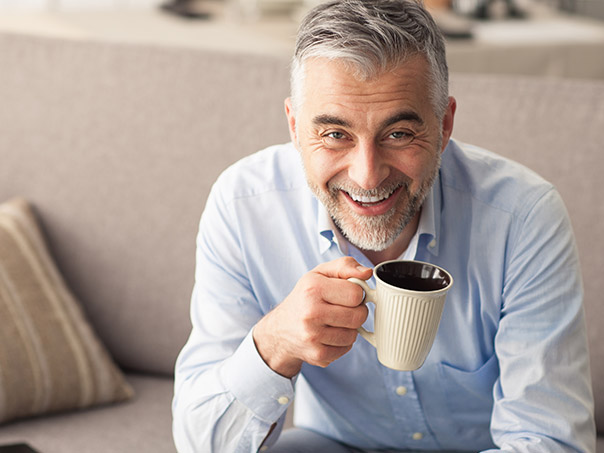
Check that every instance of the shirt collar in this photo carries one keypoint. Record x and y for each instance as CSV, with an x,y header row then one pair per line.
x,y
328,232
429,223
427,229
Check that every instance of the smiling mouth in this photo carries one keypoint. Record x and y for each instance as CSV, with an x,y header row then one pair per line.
x,y
371,200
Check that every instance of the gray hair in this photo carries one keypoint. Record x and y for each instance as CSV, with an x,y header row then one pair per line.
x,y
372,36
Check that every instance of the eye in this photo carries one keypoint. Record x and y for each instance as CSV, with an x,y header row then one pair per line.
x,y
400,138
336,139
401,135
335,135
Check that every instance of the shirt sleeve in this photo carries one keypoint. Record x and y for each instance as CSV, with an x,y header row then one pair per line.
x,y
543,397
226,398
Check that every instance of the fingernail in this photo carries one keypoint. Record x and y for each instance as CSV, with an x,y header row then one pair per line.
x,y
362,268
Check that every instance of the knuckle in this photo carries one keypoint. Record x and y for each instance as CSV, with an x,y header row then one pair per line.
x,y
312,332
311,289
310,317
321,355
310,336
347,262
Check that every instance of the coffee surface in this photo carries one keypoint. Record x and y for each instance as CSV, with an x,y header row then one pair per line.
x,y
413,276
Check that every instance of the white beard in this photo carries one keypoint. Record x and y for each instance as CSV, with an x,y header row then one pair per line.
x,y
378,232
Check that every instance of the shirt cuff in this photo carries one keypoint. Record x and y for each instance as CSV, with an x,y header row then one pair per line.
x,y
255,384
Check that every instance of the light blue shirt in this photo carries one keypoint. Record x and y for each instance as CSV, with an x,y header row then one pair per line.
x,y
509,368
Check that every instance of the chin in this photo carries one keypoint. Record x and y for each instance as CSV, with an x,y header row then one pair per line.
x,y
371,233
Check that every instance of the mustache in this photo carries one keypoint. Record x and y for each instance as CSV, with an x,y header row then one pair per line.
x,y
384,190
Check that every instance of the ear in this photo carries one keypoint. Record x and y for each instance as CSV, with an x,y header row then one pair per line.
x,y
291,121
447,125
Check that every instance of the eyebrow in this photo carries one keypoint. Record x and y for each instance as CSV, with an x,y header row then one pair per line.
x,y
406,115
322,120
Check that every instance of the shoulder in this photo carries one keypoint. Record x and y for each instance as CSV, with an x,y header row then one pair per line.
x,y
277,168
491,179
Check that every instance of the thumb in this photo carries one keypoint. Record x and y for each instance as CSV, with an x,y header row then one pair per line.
x,y
345,268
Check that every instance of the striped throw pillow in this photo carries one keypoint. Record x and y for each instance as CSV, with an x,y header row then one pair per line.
x,y
50,358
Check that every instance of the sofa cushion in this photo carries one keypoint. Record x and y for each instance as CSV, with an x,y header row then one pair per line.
x,y
50,359
143,424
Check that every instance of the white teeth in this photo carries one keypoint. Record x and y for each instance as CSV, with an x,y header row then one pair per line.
x,y
368,199
363,199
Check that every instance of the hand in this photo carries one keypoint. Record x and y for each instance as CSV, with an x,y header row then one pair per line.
x,y
317,321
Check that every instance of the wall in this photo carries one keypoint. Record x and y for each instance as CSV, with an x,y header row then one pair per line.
x,y
72,5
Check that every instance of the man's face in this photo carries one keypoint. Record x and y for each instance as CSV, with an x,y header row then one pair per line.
x,y
371,149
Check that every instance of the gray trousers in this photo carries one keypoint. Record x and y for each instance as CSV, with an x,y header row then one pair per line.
x,y
298,440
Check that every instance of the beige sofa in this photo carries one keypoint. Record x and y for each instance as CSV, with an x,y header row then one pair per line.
x,y
116,147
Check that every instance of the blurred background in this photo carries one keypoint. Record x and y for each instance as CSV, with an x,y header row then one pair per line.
x,y
557,38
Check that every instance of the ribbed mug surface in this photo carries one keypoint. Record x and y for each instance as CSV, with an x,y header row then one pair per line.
x,y
405,327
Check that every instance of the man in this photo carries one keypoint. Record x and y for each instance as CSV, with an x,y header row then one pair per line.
x,y
372,175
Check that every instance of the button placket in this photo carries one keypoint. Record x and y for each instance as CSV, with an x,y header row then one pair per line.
x,y
407,409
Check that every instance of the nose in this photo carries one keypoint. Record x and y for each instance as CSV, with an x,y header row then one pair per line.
x,y
367,167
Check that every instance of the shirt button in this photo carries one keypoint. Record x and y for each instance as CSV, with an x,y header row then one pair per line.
x,y
417,436
402,390
265,448
432,243
283,400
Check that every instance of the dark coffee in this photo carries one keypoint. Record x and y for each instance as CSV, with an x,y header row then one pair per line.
x,y
413,275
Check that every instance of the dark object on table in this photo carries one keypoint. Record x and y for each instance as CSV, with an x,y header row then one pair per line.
x,y
184,8
17,448
512,10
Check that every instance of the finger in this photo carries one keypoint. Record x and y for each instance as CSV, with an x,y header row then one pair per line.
x,y
344,268
338,337
341,292
346,317
325,355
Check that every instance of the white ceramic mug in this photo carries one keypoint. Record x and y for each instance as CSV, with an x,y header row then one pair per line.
x,y
409,300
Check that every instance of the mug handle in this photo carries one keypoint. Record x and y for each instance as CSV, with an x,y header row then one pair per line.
x,y
370,295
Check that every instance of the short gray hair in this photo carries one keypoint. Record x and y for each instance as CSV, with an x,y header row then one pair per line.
x,y
372,36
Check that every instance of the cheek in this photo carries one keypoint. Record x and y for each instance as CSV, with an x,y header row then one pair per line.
x,y
430,166
418,166
321,167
